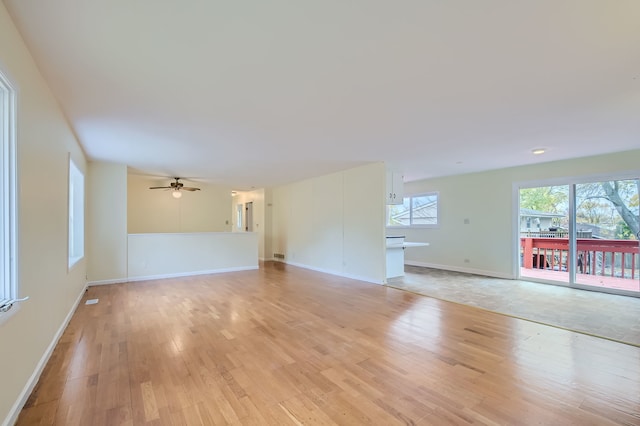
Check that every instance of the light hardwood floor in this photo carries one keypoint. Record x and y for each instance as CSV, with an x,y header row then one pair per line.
x,y
284,345
591,312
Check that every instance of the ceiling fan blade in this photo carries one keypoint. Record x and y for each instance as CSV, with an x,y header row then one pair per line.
x,y
176,186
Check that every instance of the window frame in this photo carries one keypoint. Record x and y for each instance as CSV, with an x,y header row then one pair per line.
x,y
411,224
571,182
8,201
239,216
75,242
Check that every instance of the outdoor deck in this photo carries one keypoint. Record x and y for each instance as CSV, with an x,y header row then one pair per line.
x,y
612,264
591,280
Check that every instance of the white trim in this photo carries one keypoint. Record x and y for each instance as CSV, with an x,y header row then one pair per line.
x,y
332,272
76,185
457,269
144,234
188,274
9,279
73,261
177,275
434,226
12,417
515,230
107,282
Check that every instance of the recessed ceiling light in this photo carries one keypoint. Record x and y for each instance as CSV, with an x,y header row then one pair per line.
x,y
537,151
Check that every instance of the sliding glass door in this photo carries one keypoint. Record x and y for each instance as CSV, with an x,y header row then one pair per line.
x,y
606,221
582,234
544,232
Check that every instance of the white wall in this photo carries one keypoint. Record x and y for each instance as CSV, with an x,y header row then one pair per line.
x,y
169,255
106,222
45,142
150,211
333,223
487,200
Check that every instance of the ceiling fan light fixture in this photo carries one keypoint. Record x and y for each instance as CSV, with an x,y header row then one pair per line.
x,y
177,187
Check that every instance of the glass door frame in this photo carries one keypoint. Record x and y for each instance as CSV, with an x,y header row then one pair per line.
x,y
571,182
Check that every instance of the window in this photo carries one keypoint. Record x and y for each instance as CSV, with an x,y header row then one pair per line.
x,y
76,214
417,210
239,210
8,281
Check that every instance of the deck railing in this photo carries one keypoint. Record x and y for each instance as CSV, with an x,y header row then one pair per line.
x,y
614,258
555,234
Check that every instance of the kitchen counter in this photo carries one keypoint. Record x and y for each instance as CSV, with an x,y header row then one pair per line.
x,y
406,244
395,254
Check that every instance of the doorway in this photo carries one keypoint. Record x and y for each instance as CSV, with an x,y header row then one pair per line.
x,y
248,207
582,234
544,232
239,215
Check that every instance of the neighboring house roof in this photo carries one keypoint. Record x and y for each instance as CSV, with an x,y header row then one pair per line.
x,y
538,213
425,211
597,231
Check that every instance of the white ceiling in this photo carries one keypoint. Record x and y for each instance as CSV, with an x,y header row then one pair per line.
x,y
259,93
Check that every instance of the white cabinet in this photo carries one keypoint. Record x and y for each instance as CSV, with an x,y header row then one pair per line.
x,y
395,262
395,254
395,190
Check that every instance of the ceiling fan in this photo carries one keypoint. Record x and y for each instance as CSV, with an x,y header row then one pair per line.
x,y
176,186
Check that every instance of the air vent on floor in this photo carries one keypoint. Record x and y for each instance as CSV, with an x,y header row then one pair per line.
x,y
91,302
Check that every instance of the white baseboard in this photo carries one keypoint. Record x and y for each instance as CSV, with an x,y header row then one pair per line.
x,y
459,269
107,282
188,274
331,272
12,417
161,276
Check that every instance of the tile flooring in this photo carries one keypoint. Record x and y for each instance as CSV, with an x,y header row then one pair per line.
x,y
603,315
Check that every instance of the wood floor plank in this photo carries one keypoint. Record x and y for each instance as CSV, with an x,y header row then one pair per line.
x,y
284,345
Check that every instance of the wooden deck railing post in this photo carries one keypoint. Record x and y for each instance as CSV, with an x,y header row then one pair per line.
x,y
595,257
528,253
